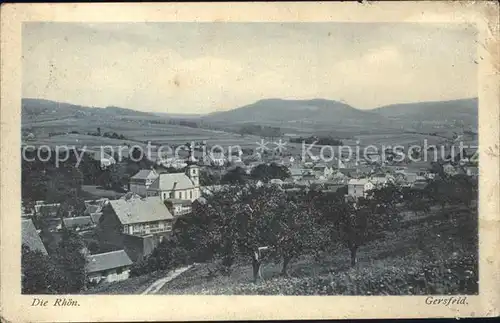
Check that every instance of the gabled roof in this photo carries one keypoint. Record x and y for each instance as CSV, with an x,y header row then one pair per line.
x,y
145,174
96,217
31,238
171,181
79,221
140,210
107,260
361,181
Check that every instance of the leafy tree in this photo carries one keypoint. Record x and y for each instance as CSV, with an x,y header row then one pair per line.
x,y
383,200
294,229
416,201
71,259
39,274
266,172
236,175
136,153
208,177
239,221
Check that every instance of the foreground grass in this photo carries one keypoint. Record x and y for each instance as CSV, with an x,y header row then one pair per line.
x,y
427,256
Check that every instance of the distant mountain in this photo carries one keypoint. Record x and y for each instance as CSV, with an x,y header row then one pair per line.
x,y
31,108
308,115
463,110
278,111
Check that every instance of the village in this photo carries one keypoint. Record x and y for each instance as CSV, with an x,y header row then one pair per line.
x,y
126,230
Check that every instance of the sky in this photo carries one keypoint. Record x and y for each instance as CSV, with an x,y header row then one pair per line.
x,y
206,67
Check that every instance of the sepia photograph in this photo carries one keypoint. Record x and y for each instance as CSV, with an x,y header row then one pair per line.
x,y
250,158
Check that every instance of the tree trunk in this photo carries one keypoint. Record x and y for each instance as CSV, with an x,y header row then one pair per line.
x,y
256,270
353,255
286,261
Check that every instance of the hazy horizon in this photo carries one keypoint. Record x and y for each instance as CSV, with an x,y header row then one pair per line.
x,y
209,112
199,68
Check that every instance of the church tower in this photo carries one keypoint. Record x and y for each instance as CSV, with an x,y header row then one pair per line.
x,y
193,172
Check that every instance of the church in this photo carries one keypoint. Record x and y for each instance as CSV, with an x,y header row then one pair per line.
x,y
181,186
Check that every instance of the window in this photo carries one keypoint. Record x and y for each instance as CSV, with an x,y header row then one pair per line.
x,y
190,194
119,270
164,196
172,195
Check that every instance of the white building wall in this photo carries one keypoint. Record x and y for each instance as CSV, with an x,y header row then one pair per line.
x,y
109,276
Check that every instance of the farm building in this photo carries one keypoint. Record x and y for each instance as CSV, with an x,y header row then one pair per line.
x,y
109,266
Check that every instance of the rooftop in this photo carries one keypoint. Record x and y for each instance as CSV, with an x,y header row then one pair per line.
x,y
140,210
107,260
31,238
172,181
79,221
145,174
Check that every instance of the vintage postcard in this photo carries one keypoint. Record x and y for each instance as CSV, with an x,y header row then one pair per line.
x,y
183,162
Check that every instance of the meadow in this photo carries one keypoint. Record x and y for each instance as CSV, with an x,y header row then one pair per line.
x,y
424,256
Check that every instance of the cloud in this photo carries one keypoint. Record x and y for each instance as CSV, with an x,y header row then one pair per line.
x,y
205,67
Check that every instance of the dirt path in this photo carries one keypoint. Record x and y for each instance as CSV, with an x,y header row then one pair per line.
x,y
157,285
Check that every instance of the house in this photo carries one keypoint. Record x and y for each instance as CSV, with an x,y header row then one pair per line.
x,y
348,172
276,181
104,158
359,187
449,169
472,171
94,209
78,223
46,210
419,185
287,161
179,207
373,158
30,237
140,182
142,216
136,224
322,171
411,177
296,173
381,180
467,155
214,159
109,266
177,163
182,186
309,174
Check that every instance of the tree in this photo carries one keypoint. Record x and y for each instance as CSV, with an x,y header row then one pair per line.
x,y
415,200
293,227
136,153
236,175
39,274
239,220
70,257
266,172
208,177
383,200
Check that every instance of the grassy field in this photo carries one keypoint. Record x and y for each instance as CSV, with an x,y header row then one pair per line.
x,y
135,131
424,256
